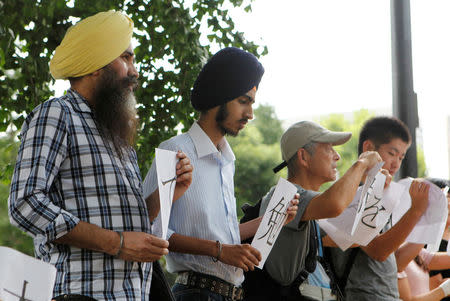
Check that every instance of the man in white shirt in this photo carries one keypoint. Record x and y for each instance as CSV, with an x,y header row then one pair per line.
x,y
204,234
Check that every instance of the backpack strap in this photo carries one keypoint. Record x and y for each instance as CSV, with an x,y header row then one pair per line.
x,y
340,282
250,212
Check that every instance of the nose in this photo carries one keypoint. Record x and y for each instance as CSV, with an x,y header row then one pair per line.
x,y
396,164
132,71
249,113
336,156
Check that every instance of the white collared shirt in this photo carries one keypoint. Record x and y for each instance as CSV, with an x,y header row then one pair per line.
x,y
207,210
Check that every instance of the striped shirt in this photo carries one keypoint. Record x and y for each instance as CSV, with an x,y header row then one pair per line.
x,y
67,172
207,210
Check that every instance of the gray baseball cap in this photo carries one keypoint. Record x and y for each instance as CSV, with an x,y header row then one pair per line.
x,y
301,133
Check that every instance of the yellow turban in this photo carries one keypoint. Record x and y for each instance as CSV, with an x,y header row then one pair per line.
x,y
91,44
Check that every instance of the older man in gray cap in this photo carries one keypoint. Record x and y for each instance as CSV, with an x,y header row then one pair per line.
x,y
204,235
307,151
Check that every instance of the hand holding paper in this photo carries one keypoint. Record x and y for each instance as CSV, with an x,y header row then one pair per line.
x,y
375,206
419,195
242,256
274,218
184,175
370,159
292,209
427,200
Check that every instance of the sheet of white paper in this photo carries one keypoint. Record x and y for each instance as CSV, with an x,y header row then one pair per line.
x,y
273,219
342,239
22,276
368,191
431,226
166,162
374,218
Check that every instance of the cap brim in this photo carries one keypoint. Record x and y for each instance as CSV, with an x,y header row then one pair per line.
x,y
335,138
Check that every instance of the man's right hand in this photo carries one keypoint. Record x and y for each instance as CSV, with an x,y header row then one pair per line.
x,y
242,256
370,158
142,247
419,195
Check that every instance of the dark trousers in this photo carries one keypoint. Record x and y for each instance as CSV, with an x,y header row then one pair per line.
x,y
259,286
186,293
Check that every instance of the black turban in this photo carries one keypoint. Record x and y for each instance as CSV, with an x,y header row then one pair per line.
x,y
228,74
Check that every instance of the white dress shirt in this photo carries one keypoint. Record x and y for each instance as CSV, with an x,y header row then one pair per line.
x,y
207,210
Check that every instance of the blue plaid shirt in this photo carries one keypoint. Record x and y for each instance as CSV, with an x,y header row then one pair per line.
x,y
67,172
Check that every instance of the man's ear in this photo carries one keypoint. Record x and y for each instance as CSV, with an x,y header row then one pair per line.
x,y
368,145
303,157
96,73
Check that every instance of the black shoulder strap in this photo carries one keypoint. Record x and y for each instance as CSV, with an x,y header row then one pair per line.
x,y
341,281
160,288
250,212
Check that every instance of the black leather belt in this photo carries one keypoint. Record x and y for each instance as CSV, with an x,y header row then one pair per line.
x,y
210,283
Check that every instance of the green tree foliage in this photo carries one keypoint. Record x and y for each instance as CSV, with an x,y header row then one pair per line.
x,y
169,55
268,124
256,155
10,236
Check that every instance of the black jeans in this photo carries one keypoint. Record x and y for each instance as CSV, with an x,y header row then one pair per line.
x,y
186,293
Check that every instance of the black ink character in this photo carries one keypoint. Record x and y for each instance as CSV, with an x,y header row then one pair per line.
x,y
375,209
275,222
24,288
364,199
171,181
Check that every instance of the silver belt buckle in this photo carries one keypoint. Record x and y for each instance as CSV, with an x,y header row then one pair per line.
x,y
183,278
236,293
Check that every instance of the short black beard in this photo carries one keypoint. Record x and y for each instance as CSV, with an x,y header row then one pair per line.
x,y
114,109
221,116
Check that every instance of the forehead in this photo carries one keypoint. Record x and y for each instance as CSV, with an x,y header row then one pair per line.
x,y
323,146
251,92
397,145
129,49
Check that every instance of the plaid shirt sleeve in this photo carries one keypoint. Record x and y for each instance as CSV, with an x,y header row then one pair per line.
x,y
43,148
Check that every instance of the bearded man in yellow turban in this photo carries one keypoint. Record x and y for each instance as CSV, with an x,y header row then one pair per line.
x,y
76,187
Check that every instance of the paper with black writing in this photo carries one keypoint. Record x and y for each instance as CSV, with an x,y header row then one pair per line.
x,y
23,277
273,219
166,162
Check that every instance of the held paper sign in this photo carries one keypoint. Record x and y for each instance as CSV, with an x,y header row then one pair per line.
x,y
273,219
166,162
374,218
431,226
370,190
23,277
378,208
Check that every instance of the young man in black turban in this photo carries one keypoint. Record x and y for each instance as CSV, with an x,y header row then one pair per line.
x,y
204,234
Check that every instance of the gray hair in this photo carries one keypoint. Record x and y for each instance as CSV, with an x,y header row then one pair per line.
x,y
292,162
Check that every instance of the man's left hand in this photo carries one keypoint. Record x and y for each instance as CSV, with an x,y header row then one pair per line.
x,y
292,209
184,175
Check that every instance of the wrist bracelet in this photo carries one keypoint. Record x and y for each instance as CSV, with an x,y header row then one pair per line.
x,y
120,246
219,246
